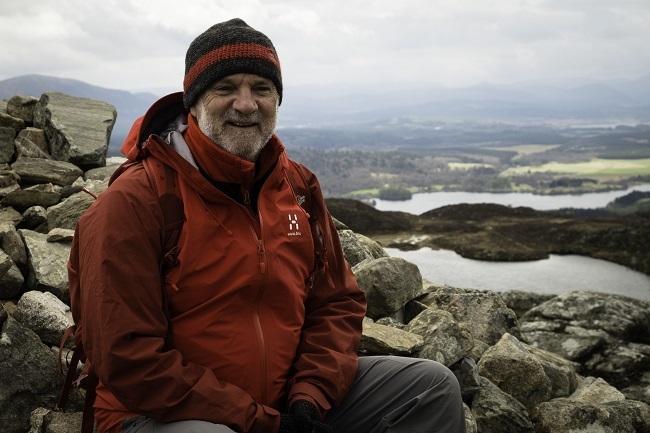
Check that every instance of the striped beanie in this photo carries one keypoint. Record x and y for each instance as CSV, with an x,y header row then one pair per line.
x,y
228,48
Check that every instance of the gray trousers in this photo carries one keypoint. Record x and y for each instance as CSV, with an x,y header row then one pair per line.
x,y
390,394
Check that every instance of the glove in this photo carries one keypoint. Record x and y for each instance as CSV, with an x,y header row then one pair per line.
x,y
303,418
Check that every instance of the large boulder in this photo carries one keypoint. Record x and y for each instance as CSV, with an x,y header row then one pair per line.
x,y
484,314
27,374
78,129
510,366
45,314
66,214
40,170
389,283
48,270
378,339
497,412
445,340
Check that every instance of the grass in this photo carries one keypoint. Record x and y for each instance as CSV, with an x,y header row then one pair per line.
x,y
527,149
595,167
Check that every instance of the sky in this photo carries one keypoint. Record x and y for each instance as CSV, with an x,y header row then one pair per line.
x,y
335,44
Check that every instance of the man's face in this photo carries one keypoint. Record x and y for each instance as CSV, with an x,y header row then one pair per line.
x,y
239,114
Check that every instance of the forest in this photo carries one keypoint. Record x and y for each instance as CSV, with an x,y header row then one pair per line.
x,y
411,155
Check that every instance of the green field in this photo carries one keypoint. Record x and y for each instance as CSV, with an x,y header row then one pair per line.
x,y
595,167
527,149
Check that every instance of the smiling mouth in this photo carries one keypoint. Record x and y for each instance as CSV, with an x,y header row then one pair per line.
x,y
242,125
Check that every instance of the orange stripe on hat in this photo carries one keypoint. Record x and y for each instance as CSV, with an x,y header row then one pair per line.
x,y
229,52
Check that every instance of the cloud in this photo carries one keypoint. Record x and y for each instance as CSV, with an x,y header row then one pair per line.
x,y
134,44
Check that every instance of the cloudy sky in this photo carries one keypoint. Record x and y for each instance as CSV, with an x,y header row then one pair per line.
x,y
140,44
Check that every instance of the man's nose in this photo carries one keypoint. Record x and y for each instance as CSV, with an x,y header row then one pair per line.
x,y
244,102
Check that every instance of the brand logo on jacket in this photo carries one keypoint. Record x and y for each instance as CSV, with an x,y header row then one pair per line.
x,y
293,225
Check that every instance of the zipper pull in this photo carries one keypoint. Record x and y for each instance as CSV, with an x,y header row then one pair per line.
x,y
260,251
247,197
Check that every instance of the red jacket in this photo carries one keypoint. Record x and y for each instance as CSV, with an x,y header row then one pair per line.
x,y
248,333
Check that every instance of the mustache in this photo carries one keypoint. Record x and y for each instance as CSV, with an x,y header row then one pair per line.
x,y
242,118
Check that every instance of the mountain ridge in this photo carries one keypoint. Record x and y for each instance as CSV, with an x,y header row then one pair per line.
x,y
538,101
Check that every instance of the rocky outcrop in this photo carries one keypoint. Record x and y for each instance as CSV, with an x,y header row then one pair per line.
x,y
78,129
577,362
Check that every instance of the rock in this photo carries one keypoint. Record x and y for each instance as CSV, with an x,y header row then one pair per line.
x,y
618,316
3,313
9,215
7,146
510,366
574,343
470,422
65,214
39,170
36,136
48,270
28,376
622,364
561,372
381,339
78,129
376,251
640,390
466,371
445,340
60,235
101,173
9,121
562,415
596,391
497,412
47,421
353,250
45,314
521,302
389,283
37,195
484,314
11,283
34,218
9,181
22,107
28,149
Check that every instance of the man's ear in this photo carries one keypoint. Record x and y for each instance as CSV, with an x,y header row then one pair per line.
x,y
193,110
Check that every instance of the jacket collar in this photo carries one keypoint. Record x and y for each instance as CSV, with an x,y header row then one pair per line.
x,y
223,166
219,164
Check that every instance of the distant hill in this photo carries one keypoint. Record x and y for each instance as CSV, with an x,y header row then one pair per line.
x,y
533,101
608,101
129,106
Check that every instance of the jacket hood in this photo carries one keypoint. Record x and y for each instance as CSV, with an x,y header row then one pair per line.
x,y
155,120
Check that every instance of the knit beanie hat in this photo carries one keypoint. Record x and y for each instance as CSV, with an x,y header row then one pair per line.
x,y
228,48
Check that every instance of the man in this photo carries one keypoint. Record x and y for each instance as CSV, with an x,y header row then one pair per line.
x,y
255,324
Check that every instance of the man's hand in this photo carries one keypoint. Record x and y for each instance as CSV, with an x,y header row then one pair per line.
x,y
303,417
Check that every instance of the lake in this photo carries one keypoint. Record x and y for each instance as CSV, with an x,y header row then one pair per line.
x,y
426,201
558,274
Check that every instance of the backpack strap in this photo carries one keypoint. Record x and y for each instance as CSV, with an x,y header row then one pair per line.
x,y
300,189
163,177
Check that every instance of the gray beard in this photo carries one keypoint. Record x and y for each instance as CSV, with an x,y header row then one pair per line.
x,y
247,144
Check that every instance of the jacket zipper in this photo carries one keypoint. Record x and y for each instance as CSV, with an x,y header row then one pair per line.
x,y
257,323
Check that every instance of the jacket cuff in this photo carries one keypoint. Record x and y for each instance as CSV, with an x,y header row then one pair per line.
x,y
311,393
